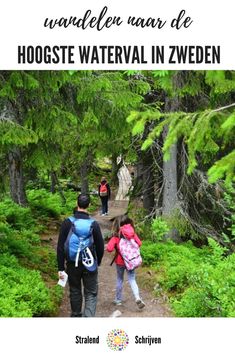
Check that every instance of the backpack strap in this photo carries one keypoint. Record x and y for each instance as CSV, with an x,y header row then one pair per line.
x,y
72,219
115,256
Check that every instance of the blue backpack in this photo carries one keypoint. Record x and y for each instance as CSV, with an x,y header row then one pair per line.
x,y
79,242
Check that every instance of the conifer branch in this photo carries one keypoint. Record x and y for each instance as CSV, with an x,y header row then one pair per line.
x,y
223,108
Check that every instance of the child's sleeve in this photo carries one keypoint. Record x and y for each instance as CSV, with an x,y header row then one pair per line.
x,y
137,240
111,244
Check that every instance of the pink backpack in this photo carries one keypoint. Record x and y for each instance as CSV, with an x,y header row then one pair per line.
x,y
130,253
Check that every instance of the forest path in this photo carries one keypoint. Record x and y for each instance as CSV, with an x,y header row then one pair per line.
x,y
107,281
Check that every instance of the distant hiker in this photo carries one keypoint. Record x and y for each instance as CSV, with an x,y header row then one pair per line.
x,y
124,236
81,244
104,194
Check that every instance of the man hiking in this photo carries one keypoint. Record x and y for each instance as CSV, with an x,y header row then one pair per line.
x,y
104,194
81,245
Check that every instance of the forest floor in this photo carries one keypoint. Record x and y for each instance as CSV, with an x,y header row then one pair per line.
x,y
155,307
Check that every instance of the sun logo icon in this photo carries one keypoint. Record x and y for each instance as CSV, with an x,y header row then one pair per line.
x,y
117,340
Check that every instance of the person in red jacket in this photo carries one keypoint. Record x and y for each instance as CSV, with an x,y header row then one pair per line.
x,y
104,193
124,225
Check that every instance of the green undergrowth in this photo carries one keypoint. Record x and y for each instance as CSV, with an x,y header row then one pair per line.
x,y
199,282
28,271
44,204
23,292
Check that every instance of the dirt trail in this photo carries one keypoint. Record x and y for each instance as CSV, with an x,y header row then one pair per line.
x,y
107,279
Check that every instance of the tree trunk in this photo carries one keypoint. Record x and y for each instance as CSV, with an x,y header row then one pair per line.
x,y
169,203
84,170
17,187
139,166
53,182
170,196
148,181
137,181
115,168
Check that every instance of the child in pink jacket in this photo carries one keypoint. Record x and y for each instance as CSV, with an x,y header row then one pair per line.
x,y
124,225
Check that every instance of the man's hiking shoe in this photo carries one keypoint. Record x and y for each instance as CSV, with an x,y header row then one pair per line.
x,y
140,303
117,302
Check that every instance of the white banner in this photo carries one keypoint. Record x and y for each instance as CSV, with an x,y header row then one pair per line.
x,y
107,35
106,335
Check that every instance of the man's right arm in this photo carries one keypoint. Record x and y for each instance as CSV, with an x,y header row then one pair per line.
x,y
64,231
99,242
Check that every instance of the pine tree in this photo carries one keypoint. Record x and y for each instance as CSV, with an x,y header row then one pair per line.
x,y
202,124
31,121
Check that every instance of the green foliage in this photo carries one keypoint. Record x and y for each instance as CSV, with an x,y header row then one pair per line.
x,y
18,233
223,169
216,252
17,80
200,282
143,227
37,117
164,80
23,293
140,118
150,253
45,203
95,203
202,132
12,133
15,242
183,226
23,255
104,99
60,119
229,234
178,260
159,229
18,217
208,134
220,81
212,292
